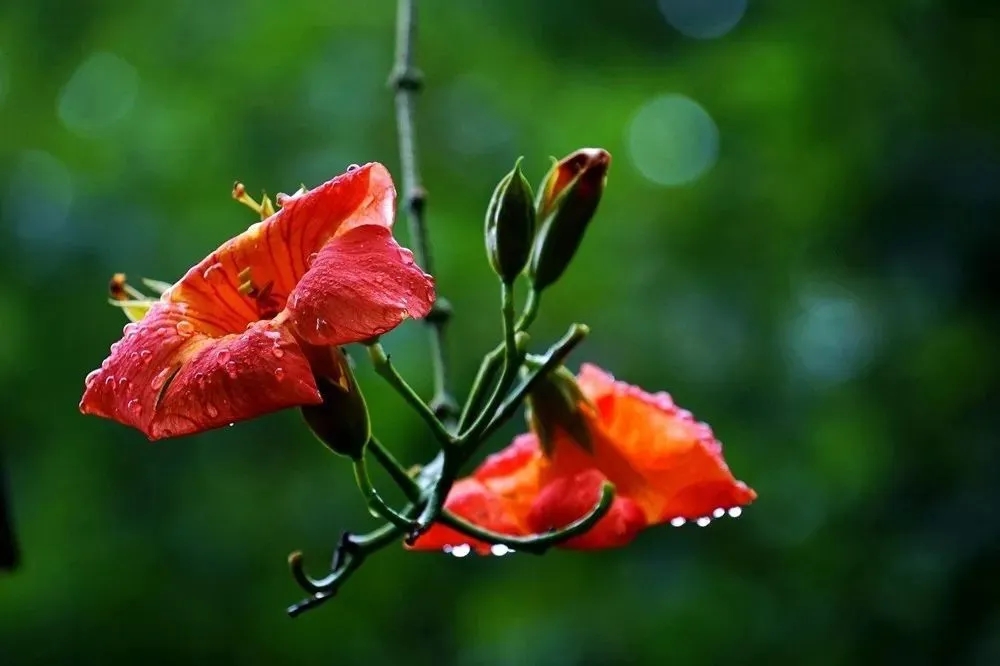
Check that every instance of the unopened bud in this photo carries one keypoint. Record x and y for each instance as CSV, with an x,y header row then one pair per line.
x,y
557,403
510,225
341,422
567,200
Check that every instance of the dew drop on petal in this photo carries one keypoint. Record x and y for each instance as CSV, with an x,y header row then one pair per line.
x,y
277,351
499,549
352,167
185,328
91,378
109,382
461,550
719,513
130,329
105,364
200,378
135,406
677,522
231,370
222,356
145,354
735,512
310,259
123,383
272,335
703,521
279,374
211,410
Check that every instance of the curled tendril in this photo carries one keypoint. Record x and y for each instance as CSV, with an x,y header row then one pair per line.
x,y
538,543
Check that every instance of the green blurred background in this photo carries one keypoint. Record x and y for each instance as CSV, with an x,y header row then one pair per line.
x,y
797,241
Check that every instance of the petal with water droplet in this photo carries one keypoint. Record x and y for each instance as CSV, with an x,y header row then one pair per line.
x,y
358,287
174,377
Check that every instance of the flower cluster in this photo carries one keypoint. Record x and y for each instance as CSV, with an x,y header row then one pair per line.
x,y
259,325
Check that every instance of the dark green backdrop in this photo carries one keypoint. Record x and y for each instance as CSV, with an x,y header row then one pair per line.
x,y
819,294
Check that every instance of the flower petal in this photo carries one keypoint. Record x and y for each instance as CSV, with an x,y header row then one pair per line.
x,y
274,254
168,378
361,284
568,498
680,459
471,500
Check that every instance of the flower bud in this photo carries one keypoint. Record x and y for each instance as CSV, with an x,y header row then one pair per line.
x,y
567,200
510,225
341,422
557,403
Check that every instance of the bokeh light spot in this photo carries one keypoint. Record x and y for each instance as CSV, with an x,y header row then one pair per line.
x,y
100,92
673,140
39,196
703,19
832,337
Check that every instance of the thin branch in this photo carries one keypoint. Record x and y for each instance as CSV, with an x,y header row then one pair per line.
x,y
407,81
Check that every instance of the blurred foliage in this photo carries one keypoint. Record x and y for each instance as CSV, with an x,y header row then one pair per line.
x,y
820,295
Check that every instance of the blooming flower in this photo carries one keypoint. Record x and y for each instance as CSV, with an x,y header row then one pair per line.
x,y
248,329
665,466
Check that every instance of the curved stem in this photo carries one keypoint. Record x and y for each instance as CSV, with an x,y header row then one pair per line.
x,y
540,543
395,469
530,310
554,358
376,505
511,361
383,366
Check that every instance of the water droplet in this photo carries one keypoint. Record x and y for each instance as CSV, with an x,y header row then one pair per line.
x,y
91,378
109,382
105,363
678,521
185,328
703,521
735,512
277,351
352,167
222,356
279,374
135,406
272,335
123,383
130,329
379,279
310,259
211,410
231,370
115,346
200,378
499,549
461,550
160,379
231,425
718,513
145,355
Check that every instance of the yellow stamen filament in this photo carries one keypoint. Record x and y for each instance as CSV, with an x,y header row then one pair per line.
x,y
265,208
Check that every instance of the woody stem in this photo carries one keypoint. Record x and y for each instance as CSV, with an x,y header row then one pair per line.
x,y
406,80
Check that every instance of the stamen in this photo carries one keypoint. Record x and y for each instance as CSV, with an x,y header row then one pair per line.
x,y
121,290
265,208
